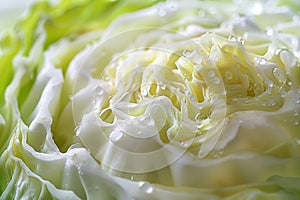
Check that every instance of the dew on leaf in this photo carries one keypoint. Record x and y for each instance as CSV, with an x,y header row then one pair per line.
x,y
146,187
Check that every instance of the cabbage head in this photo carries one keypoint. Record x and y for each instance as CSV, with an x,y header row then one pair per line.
x,y
149,100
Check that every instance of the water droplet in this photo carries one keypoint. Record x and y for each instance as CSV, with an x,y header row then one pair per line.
x,y
271,102
187,53
287,57
198,117
218,153
231,38
115,135
228,75
296,113
258,88
211,73
216,80
77,130
98,90
17,141
144,93
146,187
192,98
241,40
197,59
269,31
261,61
283,93
202,115
162,12
184,144
269,91
298,100
139,97
163,86
235,99
161,122
171,5
42,148
279,74
290,83
294,121
80,172
146,120
221,152
46,119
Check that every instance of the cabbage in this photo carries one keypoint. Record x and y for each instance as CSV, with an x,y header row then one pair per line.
x,y
136,99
